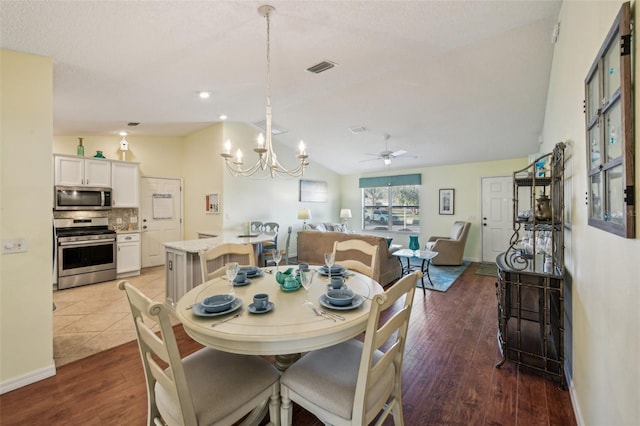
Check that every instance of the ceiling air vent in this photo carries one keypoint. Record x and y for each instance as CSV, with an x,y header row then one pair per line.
x,y
275,129
133,124
321,67
358,129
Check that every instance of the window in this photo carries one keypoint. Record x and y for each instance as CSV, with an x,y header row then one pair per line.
x,y
609,132
391,203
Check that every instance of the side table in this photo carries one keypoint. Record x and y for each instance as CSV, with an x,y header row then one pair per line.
x,y
424,255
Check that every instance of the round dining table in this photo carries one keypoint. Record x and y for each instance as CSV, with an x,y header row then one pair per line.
x,y
286,330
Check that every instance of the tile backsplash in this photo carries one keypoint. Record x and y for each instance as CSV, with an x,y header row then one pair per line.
x,y
126,216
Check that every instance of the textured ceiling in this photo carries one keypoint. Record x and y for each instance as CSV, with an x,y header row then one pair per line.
x,y
450,81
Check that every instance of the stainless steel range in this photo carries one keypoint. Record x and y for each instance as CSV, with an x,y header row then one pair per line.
x,y
85,251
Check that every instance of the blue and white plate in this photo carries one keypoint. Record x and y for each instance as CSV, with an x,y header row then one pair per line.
x,y
357,301
198,309
251,308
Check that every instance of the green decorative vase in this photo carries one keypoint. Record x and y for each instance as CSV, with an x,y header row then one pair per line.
x,y
98,155
414,244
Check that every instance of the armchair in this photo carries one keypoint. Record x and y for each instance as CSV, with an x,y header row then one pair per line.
x,y
450,249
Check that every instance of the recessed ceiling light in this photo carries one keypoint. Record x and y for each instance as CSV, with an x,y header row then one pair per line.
x,y
222,117
204,95
123,133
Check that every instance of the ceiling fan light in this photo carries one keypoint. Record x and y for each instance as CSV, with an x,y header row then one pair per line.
x,y
387,161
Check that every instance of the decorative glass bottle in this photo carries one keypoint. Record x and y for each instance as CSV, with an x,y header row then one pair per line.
x,y
414,244
80,148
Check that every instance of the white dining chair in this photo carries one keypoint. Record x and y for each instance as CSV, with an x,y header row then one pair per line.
x,y
213,260
357,255
353,382
208,387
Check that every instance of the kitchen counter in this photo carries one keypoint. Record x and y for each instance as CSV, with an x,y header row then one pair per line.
x,y
221,237
182,265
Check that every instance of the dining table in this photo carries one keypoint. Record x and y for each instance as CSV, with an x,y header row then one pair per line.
x,y
288,327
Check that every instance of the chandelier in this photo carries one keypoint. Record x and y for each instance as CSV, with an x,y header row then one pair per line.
x,y
267,163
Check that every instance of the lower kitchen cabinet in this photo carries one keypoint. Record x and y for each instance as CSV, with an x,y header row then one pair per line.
x,y
128,257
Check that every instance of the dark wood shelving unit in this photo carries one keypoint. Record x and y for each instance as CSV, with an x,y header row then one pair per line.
x,y
530,287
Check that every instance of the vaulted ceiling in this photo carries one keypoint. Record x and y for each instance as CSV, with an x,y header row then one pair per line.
x,y
449,81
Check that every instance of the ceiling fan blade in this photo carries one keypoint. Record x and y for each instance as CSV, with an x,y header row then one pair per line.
x,y
369,159
375,155
398,153
405,157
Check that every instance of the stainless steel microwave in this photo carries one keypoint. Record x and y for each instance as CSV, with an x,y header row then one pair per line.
x,y
82,198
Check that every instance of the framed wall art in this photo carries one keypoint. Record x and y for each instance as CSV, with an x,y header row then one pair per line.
x,y
212,203
316,191
446,201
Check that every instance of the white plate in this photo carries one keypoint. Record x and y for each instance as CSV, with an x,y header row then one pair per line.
x,y
199,311
357,301
251,308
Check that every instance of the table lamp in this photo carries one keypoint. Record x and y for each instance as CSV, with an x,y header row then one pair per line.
x,y
345,214
304,215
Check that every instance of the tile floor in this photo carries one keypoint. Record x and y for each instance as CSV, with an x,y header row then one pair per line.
x,y
96,317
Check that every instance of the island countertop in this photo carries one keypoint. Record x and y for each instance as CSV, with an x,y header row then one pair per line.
x,y
221,237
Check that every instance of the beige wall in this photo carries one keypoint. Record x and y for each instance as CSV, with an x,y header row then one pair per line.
x,y
26,124
603,268
464,178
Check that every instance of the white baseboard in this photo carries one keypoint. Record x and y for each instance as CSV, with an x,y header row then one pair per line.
x,y
27,379
574,399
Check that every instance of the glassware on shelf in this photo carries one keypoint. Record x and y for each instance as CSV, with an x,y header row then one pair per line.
x,y
414,244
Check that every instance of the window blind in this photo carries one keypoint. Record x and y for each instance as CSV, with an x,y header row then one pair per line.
x,y
399,180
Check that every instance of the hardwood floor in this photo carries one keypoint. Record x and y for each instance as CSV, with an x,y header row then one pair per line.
x,y
448,377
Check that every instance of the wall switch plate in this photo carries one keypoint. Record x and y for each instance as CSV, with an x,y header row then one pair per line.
x,y
14,245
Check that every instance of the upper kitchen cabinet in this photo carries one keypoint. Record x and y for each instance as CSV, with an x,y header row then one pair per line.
x,y
125,184
78,171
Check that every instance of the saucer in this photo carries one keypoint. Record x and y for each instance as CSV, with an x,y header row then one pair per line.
x,y
357,301
254,274
198,309
251,308
289,289
237,284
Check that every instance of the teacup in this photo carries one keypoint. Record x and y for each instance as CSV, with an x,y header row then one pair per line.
x,y
261,301
290,283
240,278
337,282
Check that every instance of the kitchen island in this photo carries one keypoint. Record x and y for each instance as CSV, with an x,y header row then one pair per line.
x,y
182,265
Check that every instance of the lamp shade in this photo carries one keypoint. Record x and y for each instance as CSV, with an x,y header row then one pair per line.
x,y
304,214
345,213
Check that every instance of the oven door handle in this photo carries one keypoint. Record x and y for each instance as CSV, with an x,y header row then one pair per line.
x,y
87,242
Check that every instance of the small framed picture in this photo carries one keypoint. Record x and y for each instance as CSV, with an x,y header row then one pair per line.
x,y
446,201
212,203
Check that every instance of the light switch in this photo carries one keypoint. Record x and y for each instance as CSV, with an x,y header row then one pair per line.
x,y
14,245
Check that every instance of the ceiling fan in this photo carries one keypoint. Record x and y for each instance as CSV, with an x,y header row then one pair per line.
x,y
387,155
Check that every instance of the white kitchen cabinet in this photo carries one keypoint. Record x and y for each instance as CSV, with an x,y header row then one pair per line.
x,y
125,178
128,257
79,171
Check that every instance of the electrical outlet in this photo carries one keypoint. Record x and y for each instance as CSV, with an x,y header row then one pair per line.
x,y
119,221
14,245
133,219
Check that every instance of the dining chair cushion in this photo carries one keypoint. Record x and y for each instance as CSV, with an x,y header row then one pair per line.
x,y
213,375
328,377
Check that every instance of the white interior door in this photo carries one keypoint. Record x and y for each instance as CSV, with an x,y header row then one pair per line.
x,y
161,216
497,216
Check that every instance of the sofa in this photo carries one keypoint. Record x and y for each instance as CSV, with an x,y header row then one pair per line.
x,y
312,245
